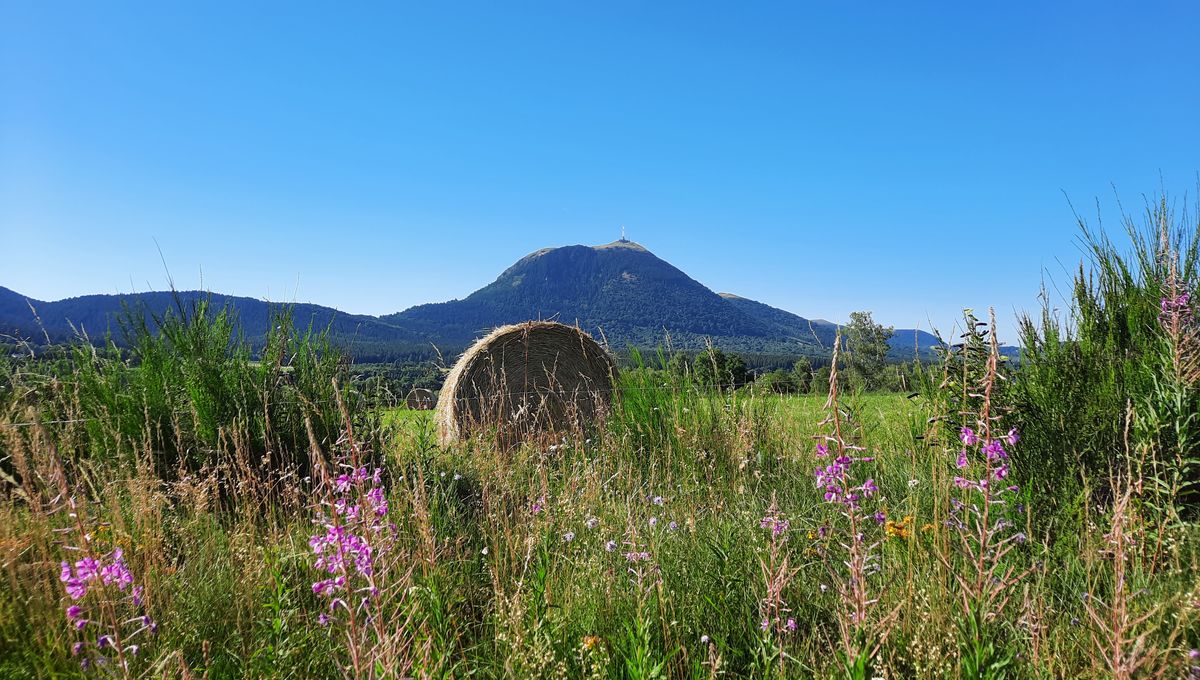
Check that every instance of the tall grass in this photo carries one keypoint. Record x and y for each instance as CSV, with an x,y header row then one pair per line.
x,y
687,537
1112,350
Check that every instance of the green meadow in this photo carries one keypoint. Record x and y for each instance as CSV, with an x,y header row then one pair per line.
x,y
189,506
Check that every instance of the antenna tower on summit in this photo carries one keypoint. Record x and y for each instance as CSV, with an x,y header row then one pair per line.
x,y
623,239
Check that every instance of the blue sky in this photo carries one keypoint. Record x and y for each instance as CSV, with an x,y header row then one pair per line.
x,y
905,158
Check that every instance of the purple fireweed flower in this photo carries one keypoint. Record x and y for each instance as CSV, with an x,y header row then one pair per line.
x,y
76,588
880,517
76,648
868,488
822,450
1176,308
538,505
962,460
1000,472
765,624
116,571
833,473
790,626
324,588
88,568
968,436
323,619
74,612
1012,437
994,450
378,502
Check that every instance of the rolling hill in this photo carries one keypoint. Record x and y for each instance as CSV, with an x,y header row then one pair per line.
x,y
620,292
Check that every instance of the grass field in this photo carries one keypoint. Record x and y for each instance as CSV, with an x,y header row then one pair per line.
x,y
189,508
633,552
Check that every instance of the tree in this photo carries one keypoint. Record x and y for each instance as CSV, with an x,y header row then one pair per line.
x,y
714,368
802,374
735,369
679,365
867,347
820,380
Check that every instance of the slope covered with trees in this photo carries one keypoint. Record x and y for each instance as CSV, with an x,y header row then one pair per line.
x,y
620,292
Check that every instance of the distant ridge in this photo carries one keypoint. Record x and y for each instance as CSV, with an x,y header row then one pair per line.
x,y
98,316
618,291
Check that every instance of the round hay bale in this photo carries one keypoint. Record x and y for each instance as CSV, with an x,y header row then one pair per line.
x,y
420,399
524,381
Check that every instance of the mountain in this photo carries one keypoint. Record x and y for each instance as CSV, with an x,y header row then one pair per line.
x,y
903,343
100,315
785,324
620,292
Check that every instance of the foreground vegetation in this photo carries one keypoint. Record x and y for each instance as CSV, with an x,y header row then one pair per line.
x,y
186,509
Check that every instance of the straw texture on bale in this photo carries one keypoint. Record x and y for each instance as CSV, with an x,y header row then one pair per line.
x,y
420,399
524,381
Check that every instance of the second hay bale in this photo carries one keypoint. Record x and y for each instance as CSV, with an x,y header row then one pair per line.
x,y
526,380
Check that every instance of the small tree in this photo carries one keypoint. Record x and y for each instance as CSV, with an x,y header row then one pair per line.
x,y
802,374
820,380
778,381
867,344
714,368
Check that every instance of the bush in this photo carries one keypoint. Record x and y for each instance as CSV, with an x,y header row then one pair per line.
x,y
1108,389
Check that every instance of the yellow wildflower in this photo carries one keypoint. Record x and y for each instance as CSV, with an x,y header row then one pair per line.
x,y
901,529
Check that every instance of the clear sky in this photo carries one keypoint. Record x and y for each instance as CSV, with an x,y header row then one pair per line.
x,y
906,158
